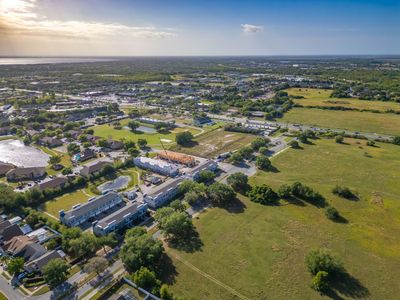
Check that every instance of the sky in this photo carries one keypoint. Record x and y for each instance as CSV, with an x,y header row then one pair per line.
x,y
173,27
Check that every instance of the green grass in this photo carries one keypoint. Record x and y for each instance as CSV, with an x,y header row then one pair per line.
x,y
380,123
260,252
153,139
43,290
215,142
321,98
3,297
65,202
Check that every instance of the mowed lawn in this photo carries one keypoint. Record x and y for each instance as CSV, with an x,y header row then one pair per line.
x,y
215,142
107,131
65,202
321,98
380,123
260,252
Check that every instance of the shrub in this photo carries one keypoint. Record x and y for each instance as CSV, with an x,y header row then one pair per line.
x,y
320,281
339,139
285,191
344,192
263,194
331,213
322,260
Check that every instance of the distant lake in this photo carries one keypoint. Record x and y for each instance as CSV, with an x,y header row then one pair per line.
x,y
49,60
145,129
17,153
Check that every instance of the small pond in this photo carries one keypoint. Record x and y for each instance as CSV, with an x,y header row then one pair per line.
x,y
145,129
117,184
17,153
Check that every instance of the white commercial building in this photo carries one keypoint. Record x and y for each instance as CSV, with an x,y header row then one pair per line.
x,y
156,165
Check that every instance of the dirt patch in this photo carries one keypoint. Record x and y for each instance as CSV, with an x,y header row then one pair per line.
x,y
377,199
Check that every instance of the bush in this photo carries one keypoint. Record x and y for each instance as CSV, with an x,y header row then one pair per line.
x,y
320,281
322,260
344,192
339,139
285,191
263,194
294,144
331,213
263,162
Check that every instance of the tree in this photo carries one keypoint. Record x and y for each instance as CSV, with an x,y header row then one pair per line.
x,y
303,138
55,272
263,194
331,213
339,139
133,152
258,143
206,176
236,158
246,152
238,181
146,279
142,143
191,197
344,192
184,138
320,281
140,249
133,125
263,150
55,159
174,224
294,144
285,191
73,148
66,171
15,265
220,194
322,260
165,293
396,140
263,162
177,205
96,264
107,240
84,245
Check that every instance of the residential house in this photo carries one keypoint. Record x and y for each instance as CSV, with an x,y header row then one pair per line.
x,y
201,121
36,265
28,173
5,167
24,246
9,232
115,145
87,154
94,167
50,142
156,165
120,219
52,183
81,213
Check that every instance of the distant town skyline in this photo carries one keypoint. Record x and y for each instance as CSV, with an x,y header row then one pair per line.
x,y
130,28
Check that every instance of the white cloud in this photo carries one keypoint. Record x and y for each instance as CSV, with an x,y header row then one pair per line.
x,y
248,28
18,17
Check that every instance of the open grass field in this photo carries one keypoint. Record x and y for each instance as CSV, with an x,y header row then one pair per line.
x,y
215,142
3,297
259,252
65,202
153,139
350,120
321,98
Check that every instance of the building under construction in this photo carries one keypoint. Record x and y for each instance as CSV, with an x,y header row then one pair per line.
x,y
177,157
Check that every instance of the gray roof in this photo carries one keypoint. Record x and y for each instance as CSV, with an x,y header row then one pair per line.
x,y
91,205
202,166
164,187
119,215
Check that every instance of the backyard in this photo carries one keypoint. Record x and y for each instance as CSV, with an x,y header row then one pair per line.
x,y
257,252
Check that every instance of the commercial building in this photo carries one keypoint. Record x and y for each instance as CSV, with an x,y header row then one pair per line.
x,y
177,157
80,213
156,165
120,219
